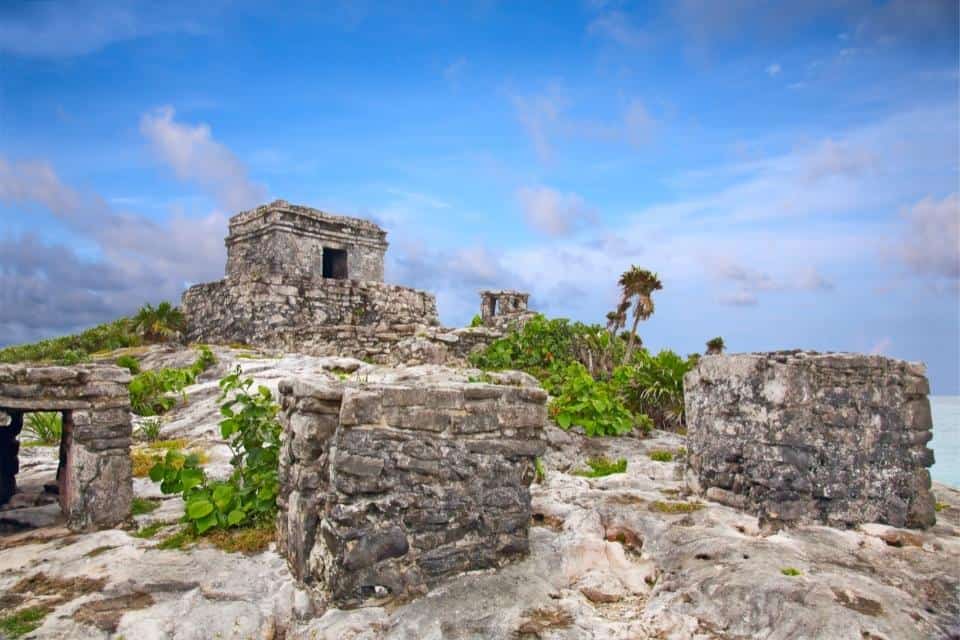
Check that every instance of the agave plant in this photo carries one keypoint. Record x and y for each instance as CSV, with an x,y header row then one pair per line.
x,y
715,346
44,427
640,284
160,323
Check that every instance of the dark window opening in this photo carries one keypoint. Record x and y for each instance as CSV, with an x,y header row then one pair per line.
x,y
334,263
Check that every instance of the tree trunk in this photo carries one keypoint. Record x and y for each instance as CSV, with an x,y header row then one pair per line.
x,y
633,334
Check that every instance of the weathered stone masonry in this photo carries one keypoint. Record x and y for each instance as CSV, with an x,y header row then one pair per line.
x,y
95,476
387,488
798,437
325,317
300,279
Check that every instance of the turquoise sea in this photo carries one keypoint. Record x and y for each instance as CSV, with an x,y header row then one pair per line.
x,y
946,439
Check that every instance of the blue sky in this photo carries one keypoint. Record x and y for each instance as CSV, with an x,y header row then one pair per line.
x,y
790,169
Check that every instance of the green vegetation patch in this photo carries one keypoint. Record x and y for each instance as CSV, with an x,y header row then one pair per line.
x,y
790,571
600,467
661,455
155,392
149,531
248,498
140,506
661,506
940,506
20,623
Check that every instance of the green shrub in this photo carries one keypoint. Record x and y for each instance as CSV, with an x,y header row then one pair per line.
x,y
249,496
600,467
653,385
790,571
76,348
583,401
477,321
130,363
661,455
542,345
44,427
153,392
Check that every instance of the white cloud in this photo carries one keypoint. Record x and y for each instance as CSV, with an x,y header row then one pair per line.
x,y
552,212
47,288
773,69
64,29
931,244
196,157
453,72
544,118
617,27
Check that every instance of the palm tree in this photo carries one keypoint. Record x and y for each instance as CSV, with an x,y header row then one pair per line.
x,y
640,284
159,323
618,318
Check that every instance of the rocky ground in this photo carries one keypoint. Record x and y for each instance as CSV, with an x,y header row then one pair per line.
x,y
624,556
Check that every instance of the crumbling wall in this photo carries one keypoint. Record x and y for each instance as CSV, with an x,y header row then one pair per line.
x,y
798,437
387,489
310,315
95,477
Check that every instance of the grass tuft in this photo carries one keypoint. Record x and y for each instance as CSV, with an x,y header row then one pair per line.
x,y
600,467
790,571
661,455
140,506
247,540
149,531
20,623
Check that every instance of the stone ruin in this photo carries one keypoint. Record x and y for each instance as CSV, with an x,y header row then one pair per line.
x,y
504,307
386,488
801,437
299,279
94,474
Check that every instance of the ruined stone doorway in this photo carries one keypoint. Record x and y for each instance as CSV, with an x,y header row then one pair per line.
x,y
334,263
33,452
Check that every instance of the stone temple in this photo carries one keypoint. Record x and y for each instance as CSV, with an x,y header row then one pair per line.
x,y
300,279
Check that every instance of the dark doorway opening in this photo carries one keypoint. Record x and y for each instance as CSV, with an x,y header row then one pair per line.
x,y
28,436
334,263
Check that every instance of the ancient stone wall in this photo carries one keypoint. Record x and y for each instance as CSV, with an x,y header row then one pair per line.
x,y
310,315
95,476
388,488
799,437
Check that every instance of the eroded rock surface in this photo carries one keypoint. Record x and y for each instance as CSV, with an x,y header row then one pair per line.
x,y
626,556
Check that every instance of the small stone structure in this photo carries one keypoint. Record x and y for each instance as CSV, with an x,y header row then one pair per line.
x,y
388,488
801,437
501,307
290,240
300,279
94,478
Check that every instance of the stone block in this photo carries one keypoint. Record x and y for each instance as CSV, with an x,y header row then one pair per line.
x,y
800,437
407,489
